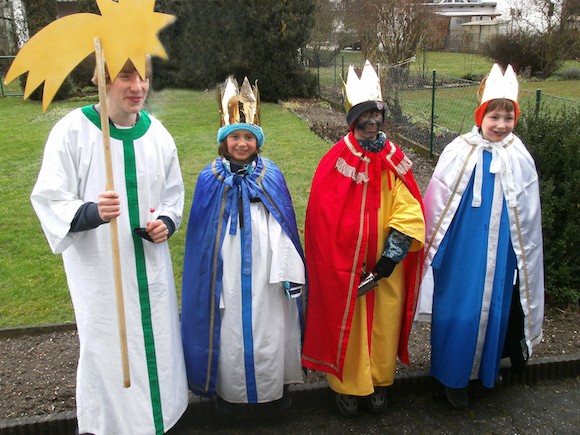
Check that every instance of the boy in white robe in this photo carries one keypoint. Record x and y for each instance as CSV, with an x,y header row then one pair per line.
x,y
75,210
484,247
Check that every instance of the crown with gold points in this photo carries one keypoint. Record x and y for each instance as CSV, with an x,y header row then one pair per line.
x,y
239,105
239,109
358,90
499,85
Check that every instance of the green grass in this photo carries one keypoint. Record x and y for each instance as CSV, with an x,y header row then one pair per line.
x,y
445,63
452,64
33,286
454,106
565,88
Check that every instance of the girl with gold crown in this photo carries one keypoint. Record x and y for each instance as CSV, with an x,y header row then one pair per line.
x,y
484,248
243,269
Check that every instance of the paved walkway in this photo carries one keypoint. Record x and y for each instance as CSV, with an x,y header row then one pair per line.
x,y
550,407
545,399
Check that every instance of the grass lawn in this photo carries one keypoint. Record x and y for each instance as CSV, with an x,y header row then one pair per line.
x,y
33,285
454,106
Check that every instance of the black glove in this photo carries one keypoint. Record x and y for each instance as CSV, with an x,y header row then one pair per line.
x,y
384,268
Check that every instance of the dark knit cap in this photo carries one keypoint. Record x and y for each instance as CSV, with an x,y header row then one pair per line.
x,y
360,108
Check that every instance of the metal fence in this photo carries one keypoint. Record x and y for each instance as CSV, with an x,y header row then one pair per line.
x,y
427,108
424,107
13,89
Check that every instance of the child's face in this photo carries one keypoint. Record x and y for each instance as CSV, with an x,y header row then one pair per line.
x,y
242,146
497,124
368,125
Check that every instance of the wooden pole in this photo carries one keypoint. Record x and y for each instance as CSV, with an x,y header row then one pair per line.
x,y
110,185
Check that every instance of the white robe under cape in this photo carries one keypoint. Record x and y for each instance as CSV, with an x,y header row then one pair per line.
x,y
275,323
72,173
517,179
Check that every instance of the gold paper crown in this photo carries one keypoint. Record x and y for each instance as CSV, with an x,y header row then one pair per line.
x,y
358,90
498,85
239,105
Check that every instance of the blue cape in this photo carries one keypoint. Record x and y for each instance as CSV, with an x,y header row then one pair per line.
x,y
219,196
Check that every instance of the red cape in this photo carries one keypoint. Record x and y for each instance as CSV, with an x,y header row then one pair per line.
x,y
341,226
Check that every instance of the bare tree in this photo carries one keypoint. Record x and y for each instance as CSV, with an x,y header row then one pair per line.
x,y
326,22
542,15
324,41
13,26
541,36
389,31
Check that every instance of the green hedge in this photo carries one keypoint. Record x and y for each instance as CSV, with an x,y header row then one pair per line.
x,y
553,140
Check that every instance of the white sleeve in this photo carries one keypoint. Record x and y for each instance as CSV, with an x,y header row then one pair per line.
x,y
287,265
55,195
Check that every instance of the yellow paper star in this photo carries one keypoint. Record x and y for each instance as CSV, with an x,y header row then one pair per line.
x,y
128,31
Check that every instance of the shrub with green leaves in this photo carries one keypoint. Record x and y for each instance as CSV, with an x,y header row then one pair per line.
x,y
262,40
553,140
569,73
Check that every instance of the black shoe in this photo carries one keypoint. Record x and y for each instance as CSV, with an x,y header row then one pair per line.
x,y
223,406
378,401
347,405
457,397
285,401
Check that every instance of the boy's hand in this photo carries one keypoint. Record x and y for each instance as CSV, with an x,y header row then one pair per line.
x,y
158,231
109,205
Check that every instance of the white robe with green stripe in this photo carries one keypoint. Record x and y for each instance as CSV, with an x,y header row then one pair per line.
x,y
146,174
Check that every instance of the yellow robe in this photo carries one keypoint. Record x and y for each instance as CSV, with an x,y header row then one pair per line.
x,y
366,368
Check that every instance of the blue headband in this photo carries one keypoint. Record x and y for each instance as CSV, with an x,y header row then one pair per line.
x,y
256,130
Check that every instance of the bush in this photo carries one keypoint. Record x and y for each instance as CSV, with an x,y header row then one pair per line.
x,y
569,73
66,89
39,13
260,40
552,138
530,54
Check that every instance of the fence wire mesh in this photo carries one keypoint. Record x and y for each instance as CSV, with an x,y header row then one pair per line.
x,y
426,107
13,89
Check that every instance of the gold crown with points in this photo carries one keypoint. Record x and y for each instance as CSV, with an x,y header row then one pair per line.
x,y
239,105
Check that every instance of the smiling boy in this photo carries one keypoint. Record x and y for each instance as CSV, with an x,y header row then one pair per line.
x,y
75,211
484,247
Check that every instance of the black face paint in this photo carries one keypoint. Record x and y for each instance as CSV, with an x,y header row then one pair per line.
x,y
370,121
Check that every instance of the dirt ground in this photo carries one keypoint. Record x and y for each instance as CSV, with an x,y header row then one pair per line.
x,y
37,372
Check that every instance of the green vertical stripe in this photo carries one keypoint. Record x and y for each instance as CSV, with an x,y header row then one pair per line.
x,y
133,205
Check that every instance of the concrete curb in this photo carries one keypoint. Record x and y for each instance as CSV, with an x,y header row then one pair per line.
x,y
20,331
309,396
305,396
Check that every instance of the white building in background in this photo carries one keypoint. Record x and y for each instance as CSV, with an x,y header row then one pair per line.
x,y
470,22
